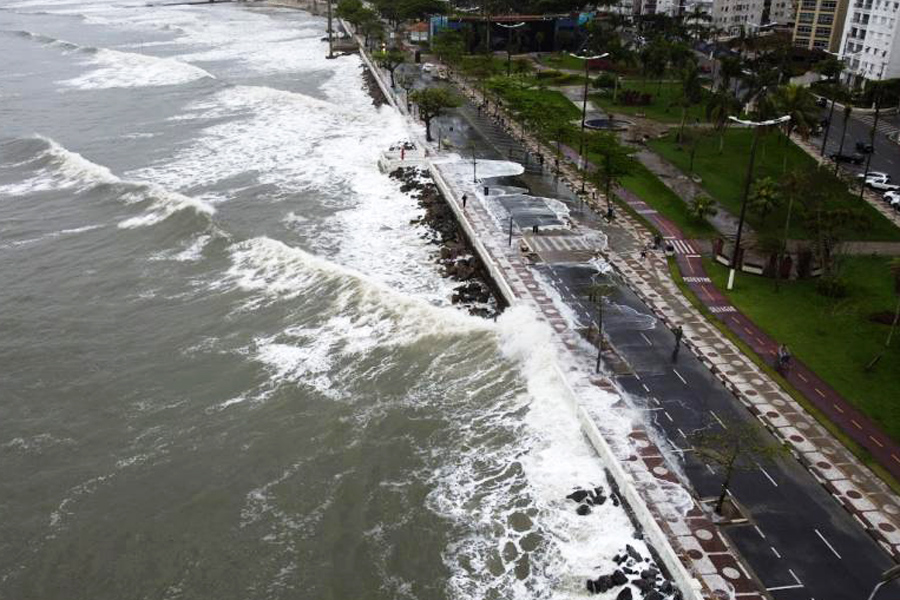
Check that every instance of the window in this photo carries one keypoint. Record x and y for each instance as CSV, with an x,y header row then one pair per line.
x,y
804,30
823,32
819,44
826,19
806,18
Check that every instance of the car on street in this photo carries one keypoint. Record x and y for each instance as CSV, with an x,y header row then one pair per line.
x,y
875,175
893,200
864,147
427,68
881,185
855,158
822,101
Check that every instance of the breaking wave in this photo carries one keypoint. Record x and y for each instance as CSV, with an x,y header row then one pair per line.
x,y
59,168
119,69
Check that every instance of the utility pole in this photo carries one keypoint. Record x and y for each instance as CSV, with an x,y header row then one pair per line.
x,y
757,125
581,157
330,42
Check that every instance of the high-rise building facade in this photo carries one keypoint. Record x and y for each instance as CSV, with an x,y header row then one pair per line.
x,y
870,45
820,24
732,16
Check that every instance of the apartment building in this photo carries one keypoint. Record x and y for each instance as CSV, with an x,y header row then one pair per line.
x,y
820,24
870,45
734,15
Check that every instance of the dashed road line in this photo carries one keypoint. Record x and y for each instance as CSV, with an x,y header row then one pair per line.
x,y
649,343
800,375
827,543
880,445
677,374
716,417
894,456
794,575
646,389
784,587
769,477
668,416
774,551
839,409
819,392
681,433
759,531
855,424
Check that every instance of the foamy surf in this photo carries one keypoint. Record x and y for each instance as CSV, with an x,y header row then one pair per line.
x,y
57,167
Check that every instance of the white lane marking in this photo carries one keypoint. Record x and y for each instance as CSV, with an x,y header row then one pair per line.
x,y
655,400
636,376
794,575
759,531
769,477
710,469
649,343
682,433
774,551
830,547
784,587
716,417
668,416
646,389
679,376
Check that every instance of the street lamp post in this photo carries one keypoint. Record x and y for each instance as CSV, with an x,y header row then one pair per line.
x,y
508,43
889,575
877,100
758,125
581,158
474,166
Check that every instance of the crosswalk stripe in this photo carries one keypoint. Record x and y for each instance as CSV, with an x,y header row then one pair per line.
x,y
557,243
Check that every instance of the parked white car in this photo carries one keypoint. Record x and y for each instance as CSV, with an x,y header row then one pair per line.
x,y
893,200
882,185
875,175
428,67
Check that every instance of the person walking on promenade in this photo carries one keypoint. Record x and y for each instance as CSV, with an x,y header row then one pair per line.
x,y
782,359
464,198
678,332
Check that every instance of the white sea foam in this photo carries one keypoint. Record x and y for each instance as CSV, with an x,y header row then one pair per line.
x,y
117,69
69,170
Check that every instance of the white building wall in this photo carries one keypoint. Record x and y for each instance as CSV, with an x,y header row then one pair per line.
x,y
870,45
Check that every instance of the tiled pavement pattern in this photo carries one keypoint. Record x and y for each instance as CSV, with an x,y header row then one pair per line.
x,y
861,493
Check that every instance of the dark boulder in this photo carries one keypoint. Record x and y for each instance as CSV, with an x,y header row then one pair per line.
x,y
583,510
577,495
625,594
619,578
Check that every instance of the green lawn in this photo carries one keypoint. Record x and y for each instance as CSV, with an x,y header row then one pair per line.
x,y
723,178
563,60
664,106
835,340
654,192
531,100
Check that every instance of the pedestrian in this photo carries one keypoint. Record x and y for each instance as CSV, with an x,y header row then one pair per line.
x,y
464,198
657,240
610,215
534,229
644,253
782,358
678,332
402,153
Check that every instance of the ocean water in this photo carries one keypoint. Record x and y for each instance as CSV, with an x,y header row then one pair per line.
x,y
229,365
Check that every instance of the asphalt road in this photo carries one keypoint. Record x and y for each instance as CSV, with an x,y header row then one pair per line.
x,y
799,541
887,153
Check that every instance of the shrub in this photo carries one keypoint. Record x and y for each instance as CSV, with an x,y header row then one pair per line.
x,y
832,287
604,81
634,98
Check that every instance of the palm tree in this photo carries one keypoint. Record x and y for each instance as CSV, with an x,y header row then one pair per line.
x,y
719,107
765,197
691,92
731,70
798,103
702,207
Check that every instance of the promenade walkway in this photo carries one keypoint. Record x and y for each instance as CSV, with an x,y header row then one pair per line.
x,y
698,543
